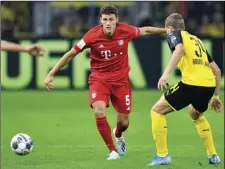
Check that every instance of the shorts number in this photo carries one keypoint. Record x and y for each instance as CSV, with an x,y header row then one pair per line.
x,y
127,100
174,88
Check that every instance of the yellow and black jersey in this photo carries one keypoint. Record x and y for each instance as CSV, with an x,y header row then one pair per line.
x,y
194,65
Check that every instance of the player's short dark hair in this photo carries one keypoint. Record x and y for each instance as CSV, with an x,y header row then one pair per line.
x,y
176,21
109,9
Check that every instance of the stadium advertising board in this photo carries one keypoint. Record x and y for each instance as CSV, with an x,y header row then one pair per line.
x,y
148,57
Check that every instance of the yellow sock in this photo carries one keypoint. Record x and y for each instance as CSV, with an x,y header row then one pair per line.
x,y
159,132
204,131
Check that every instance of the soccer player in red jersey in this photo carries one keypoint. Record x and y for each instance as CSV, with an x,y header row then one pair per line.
x,y
109,79
33,50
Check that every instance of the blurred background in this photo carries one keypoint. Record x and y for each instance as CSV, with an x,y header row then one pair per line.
x,y
58,25
73,19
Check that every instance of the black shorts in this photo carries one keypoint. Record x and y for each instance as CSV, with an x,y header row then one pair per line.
x,y
181,95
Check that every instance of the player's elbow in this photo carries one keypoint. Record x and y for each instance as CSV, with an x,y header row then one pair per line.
x,y
218,71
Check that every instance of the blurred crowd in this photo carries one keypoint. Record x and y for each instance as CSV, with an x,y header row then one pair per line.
x,y
73,19
16,19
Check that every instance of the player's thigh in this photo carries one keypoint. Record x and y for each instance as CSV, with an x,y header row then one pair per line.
x,y
121,98
162,106
178,96
201,97
99,91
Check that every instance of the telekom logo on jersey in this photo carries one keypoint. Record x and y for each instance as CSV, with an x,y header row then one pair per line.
x,y
106,54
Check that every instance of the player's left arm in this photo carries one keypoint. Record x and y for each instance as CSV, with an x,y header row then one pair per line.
x,y
135,32
151,30
216,104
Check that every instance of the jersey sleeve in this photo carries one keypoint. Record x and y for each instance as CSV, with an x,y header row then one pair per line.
x,y
133,31
174,38
83,43
209,57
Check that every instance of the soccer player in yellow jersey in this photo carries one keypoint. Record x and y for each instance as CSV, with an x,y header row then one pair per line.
x,y
200,82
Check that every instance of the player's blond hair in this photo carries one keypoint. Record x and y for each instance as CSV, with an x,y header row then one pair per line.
x,y
176,21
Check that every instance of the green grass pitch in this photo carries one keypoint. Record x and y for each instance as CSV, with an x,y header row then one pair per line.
x,y
63,128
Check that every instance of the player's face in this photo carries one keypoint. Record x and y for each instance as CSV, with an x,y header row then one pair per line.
x,y
109,23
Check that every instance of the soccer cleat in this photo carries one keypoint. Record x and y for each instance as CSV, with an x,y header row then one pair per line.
x,y
214,159
161,160
120,144
113,156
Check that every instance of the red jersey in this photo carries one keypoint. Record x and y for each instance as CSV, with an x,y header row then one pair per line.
x,y
108,55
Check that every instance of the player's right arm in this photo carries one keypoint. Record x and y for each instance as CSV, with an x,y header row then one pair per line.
x,y
216,104
67,57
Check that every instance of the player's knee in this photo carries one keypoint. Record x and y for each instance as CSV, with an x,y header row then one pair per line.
x,y
194,114
156,109
162,108
99,111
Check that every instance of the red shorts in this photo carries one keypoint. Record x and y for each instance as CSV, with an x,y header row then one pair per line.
x,y
118,92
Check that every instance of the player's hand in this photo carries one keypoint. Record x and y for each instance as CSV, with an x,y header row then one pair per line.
x,y
162,83
216,104
36,50
48,80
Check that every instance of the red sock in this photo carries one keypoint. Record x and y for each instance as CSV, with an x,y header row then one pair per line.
x,y
120,129
105,131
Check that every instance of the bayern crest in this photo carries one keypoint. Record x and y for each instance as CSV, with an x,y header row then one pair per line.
x,y
93,94
120,42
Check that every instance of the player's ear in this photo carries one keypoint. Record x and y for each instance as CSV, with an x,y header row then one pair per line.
x,y
117,19
100,20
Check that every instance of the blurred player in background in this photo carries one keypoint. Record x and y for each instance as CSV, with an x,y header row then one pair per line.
x,y
33,50
109,79
200,82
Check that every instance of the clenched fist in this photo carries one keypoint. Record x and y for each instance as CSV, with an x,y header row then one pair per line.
x,y
36,50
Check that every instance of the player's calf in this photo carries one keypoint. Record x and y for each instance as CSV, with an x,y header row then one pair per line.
x,y
121,127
